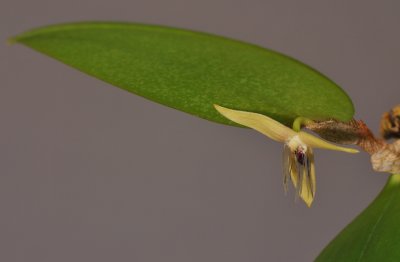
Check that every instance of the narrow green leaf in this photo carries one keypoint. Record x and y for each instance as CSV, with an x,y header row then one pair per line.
x,y
191,71
374,235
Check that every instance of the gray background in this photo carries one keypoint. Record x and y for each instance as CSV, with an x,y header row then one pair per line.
x,y
92,173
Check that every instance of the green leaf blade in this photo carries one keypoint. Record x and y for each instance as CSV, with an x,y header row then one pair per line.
x,y
372,236
191,71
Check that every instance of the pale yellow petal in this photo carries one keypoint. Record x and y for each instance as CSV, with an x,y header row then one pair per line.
x,y
306,189
263,124
312,172
289,168
308,182
313,141
294,174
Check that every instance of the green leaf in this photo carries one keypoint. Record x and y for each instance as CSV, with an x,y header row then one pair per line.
x,y
191,71
375,234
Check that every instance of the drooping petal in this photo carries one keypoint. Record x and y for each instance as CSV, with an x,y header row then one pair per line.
x,y
289,168
294,173
307,174
305,190
312,171
313,141
263,124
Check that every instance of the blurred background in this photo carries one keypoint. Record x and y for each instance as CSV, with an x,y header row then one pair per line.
x,y
89,172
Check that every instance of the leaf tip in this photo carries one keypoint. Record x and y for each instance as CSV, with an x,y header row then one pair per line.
x,y
12,40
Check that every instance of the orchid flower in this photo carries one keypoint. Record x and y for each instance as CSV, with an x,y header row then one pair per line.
x,y
298,157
